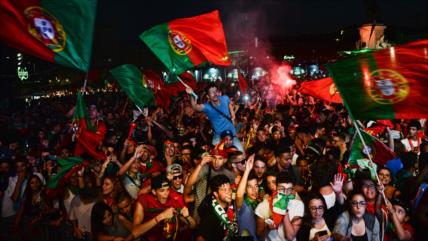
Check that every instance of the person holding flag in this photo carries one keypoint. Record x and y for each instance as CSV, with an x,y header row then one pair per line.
x,y
220,112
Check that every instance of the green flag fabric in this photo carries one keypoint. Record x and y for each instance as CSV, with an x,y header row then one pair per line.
x,y
184,43
379,151
132,82
57,31
385,84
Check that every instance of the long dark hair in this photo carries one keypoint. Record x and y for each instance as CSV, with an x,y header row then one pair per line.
x,y
28,193
311,196
97,217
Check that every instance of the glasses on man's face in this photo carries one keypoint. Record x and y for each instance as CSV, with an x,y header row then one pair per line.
x,y
177,177
285,190
360,203
315,208
243,161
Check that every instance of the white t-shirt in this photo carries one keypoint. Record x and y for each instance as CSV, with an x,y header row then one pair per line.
x,y
7,205
82,213
296,208
67,202
408,147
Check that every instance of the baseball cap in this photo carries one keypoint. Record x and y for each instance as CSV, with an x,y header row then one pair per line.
x,y
174,169
226,133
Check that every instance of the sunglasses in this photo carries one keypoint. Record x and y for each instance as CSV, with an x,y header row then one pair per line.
x,y
243,161
177,177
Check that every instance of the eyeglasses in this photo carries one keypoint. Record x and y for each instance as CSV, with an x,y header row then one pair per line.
x,y
177,177
361,203
285,190
314,209
369,186
243,161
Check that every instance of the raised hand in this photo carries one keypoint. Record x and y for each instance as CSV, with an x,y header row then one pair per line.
x,y
250,163
337,183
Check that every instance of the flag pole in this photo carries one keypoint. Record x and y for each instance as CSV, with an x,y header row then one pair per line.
x,y
187,86
86,81
368,154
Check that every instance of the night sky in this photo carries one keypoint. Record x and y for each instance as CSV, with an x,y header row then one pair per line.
x,y
119,23
122,21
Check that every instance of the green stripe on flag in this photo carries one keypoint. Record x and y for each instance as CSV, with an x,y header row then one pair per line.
x,y
132,83
157,40
351,77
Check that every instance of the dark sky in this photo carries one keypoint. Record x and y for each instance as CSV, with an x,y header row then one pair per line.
x,y
119,23
264,17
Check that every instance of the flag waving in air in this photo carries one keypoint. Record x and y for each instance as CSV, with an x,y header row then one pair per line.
x,y
184,43
323,89
385,84
133,83
89,137
57,31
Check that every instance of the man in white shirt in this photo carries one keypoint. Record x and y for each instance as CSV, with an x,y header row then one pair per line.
x,y
413,141
279,217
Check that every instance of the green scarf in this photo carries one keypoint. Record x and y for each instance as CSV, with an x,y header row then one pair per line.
x,y
283,201
251,203
228,220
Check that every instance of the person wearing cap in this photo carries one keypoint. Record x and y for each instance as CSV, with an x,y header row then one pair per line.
x,y
175,175
227,139
202,174
413,141
220,111
157,213
132,178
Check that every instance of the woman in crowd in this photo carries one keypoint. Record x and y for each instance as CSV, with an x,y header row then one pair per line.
x,y
356,224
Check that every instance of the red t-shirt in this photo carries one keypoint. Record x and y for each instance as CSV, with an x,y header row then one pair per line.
x,y
391,236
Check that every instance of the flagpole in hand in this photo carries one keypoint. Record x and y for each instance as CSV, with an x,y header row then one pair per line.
x,y
366,149
187,87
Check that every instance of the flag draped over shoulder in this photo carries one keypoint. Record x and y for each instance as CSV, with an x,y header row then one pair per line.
x,y
184,43
89,137
385,84
132,82
56,31
323,89
380,152
243,86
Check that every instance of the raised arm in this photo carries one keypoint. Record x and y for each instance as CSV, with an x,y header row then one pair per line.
x,y
240,191
193,101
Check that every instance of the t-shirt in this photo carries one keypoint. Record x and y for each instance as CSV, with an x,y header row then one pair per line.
x,y
247,220
131,185
7,209
218,122
391,236
296,208
82,213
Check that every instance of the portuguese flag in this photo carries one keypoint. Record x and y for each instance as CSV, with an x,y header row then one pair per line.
x,y
132,82
56,31
187,42
89,137
386,84
380,152
323,89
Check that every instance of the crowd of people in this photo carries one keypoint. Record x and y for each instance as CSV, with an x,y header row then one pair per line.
x,y
208,168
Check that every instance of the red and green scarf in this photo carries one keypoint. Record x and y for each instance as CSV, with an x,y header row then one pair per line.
x,y
227,219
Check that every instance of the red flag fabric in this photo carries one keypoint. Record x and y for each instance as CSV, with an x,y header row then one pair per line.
x,y
88,141
323,89
243,86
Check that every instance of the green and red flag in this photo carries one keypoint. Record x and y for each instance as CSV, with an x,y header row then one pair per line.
x,y
242,82
57,31
385,84
184,43
324,89
89,137
133,83
379,151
